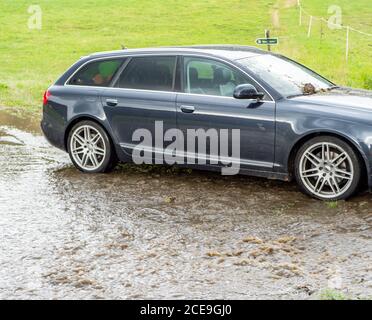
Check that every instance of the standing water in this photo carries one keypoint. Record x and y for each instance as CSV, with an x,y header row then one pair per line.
x,y
158,232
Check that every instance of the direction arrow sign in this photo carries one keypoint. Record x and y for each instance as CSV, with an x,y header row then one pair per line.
x,y
267,41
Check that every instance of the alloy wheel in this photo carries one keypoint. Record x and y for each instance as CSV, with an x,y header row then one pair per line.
x,y
88,147
326,170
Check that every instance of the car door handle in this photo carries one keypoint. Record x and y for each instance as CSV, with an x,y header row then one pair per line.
x,y
187,109
112,102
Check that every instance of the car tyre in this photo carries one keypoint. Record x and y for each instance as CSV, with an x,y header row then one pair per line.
x,y
90,148
328,168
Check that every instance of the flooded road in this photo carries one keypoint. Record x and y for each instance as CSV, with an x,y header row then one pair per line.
x,y
143,232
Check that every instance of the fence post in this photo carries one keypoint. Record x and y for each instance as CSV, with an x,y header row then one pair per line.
x,y
347,43
310,25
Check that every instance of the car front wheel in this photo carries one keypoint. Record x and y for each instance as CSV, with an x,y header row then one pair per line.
x,y
90,148
327,168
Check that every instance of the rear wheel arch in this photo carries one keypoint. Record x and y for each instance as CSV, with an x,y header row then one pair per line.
x,y
351,143
80,119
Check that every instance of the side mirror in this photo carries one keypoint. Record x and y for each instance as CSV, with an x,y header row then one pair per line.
x,y
247,91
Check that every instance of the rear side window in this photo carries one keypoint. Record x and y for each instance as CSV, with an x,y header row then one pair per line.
x,y
149,73
97,73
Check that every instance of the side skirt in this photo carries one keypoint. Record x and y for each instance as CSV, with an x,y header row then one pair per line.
x,y
125,150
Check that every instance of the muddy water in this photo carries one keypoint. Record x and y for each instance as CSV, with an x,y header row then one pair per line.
x,y
157,233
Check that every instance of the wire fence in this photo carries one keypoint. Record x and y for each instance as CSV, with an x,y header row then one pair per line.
x,y
304,13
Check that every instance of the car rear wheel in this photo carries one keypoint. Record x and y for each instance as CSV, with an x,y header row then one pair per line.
x,y
327,168
90,148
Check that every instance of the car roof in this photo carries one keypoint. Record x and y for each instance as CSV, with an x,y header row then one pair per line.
x,y
231,52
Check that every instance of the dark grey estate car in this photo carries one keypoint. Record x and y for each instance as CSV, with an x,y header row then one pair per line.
x,y
291,121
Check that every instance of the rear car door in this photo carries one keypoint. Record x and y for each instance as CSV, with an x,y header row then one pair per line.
x,y
207,102
142,93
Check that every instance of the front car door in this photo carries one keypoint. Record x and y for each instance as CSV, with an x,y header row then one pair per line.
x,y
142,94
207,103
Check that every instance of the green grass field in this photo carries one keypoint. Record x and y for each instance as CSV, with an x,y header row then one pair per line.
x,y
31,60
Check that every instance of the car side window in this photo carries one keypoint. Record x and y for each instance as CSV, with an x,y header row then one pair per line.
x,y
149,73
210,77
97,73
